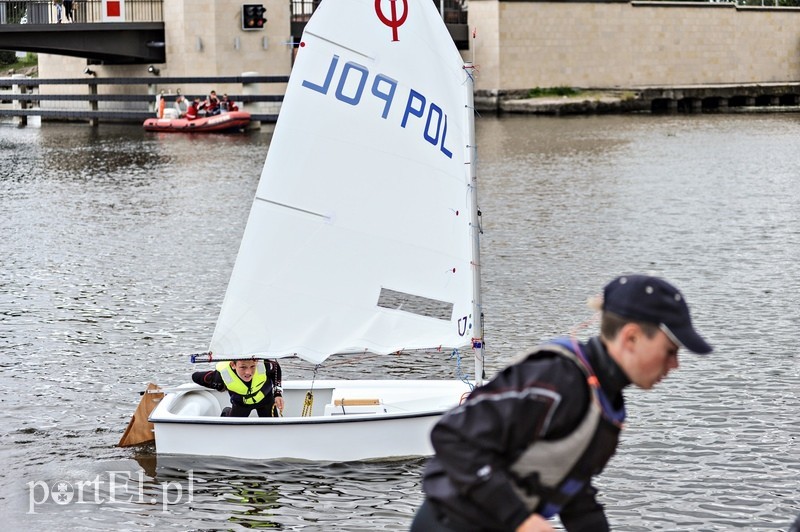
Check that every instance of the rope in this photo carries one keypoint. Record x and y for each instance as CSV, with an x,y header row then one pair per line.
x,y
308,402
460,375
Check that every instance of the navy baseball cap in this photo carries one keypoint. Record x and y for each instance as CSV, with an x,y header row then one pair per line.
x,y
653,300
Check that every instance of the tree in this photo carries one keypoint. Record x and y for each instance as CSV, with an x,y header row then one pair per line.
x,y
7,57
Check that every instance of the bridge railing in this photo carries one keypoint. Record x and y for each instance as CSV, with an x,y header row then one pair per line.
x,y
84,11
20,97
44,11
453,11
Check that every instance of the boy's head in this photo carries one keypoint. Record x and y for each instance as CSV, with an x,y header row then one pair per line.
x,y
645,320
245,369
649,300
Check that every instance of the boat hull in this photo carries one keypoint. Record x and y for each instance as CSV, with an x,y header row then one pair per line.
x,y
233,121
378,420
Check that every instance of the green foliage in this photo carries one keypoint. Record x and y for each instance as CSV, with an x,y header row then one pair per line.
x,y
552,91
7,57
30,59
16,63
16,11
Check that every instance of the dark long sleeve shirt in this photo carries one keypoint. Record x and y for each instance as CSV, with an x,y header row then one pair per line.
x,y
213,379
541,397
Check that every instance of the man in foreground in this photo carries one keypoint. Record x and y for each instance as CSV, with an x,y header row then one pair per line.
x,y
524,447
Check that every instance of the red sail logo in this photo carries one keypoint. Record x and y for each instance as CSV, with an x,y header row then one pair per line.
x,y
392,21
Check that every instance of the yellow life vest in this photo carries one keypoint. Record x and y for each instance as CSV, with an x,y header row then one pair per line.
x,y
252,393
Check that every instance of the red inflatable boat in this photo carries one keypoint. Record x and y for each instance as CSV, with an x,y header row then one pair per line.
x,y
233,121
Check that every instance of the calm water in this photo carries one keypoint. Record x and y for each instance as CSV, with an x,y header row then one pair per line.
x,y
116,248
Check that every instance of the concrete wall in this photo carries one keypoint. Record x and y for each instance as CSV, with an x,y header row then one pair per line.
x,y
207,35
527,44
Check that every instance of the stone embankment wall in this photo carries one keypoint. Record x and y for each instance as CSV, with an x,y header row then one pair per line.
x,y
523,44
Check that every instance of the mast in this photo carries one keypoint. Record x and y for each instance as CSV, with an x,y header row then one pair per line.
x,y
475,226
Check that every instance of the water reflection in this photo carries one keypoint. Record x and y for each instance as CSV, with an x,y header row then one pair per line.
x,y
291,495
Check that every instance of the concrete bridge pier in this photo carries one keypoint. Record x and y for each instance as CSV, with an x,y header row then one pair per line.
x,y
247,90
152,89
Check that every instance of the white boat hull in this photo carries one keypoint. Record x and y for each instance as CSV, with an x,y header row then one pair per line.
x,y
396,422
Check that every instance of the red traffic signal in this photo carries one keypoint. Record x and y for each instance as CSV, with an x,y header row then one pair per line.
x,y
253,16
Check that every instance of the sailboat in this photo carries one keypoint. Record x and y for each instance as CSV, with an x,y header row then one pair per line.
x,y
363,237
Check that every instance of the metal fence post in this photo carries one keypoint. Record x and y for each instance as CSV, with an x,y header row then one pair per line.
x,y
93,102
20,120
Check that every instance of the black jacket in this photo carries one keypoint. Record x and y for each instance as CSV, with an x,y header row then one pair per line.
x,y
213,379
541,397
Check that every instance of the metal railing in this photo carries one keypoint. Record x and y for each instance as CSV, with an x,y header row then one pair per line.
x,y
739,3
453,11
20,97
88,11
83,11
769,3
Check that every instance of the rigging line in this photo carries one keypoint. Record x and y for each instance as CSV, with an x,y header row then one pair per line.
x,y
470,71
352,360
362,54
308,401
460,374
298,209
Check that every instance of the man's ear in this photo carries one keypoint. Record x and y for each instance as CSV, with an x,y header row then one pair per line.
x,y
629,334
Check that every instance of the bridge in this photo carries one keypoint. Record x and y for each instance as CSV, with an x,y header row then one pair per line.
x,y
32,26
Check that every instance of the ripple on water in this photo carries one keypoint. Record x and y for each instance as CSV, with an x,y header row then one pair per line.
x,y
118,245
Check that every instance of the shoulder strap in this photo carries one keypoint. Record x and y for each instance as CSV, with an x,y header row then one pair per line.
x,y
570,348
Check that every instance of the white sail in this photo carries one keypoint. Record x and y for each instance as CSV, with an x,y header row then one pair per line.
x,y
359,238
363,236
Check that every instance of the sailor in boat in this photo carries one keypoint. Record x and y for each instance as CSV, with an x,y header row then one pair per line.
x,y
211,104
228,105
252,385
525,446
180,105
194,110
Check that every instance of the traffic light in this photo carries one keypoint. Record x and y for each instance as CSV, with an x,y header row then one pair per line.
x,y
253,16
